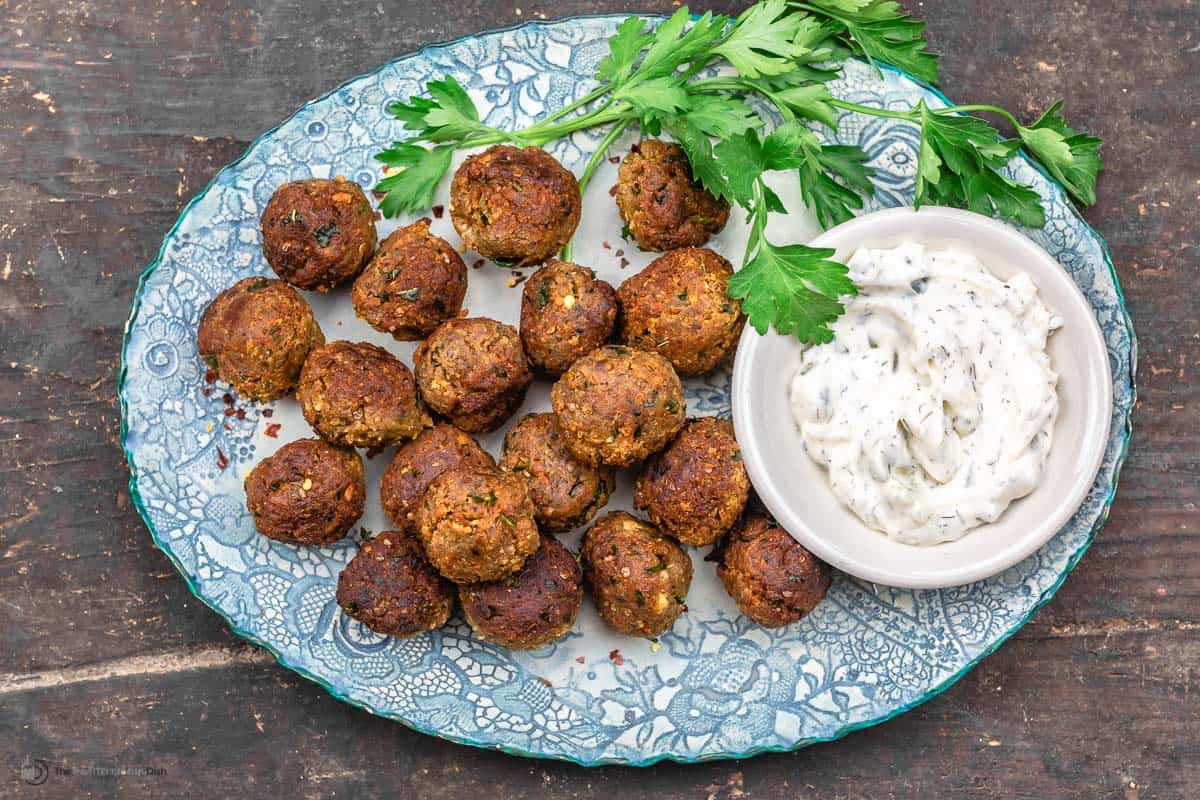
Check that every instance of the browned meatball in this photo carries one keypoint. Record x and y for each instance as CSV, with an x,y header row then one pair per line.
x,y
533,607
516,206
360,395
318,233
415,282
678,307
661,202
566,313
565,491
616,406
639,578
256,335
473,372
308,492
773,579
418,462
696,489
477,524
390,587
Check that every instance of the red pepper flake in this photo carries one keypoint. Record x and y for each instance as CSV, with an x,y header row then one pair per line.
x,y
580,660
606,245
222,459
619,253
268,412
438,211
207,391
228,398
226,427
624,263
478,263
615,657
378,195
545,682
229,412
210,376
614,159
612,191
241,413
273,430
378,215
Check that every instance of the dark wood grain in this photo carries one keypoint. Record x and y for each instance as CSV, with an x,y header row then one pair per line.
x,y
113,114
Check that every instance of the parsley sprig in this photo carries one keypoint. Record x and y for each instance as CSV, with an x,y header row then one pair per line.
x,y
762,114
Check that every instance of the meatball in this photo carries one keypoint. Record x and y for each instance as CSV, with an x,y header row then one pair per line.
x,y
566,313
390,587
515,206
533,607
318,233
678,307
360,395
415,282
773,579
661,203
418,462
616,406
473,372
477,524
566,492
256,335
696,489
639,578
309,492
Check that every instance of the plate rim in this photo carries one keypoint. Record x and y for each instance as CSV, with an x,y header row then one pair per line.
x,y
1126,431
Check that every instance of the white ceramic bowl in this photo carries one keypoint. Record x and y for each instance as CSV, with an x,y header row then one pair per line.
x,y
796,490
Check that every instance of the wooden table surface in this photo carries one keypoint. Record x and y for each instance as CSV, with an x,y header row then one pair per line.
x,y
113,113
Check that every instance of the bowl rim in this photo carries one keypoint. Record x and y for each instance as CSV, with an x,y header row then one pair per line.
x,y
750,430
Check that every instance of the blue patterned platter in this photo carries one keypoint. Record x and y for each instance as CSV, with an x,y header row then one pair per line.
x,y
716,686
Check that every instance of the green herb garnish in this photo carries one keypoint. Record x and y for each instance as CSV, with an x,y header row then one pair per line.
x,y
324,234
763,111
659,567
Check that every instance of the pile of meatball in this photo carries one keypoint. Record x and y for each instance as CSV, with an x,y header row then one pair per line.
x,y
468,529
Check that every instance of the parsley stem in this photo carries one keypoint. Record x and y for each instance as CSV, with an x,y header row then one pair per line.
x,y
599,155
911,114
558,130
594,94
872,111
758,221
979,107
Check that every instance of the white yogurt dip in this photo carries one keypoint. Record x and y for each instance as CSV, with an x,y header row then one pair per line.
x,y
934,406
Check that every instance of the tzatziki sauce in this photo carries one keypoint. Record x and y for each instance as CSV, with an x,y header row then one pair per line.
x,y
933,407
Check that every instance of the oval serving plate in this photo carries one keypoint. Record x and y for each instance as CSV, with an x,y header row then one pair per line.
x,y
716,686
